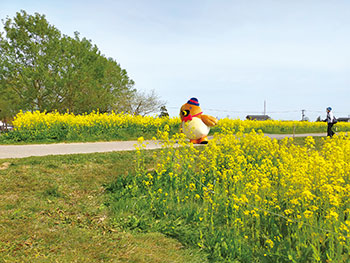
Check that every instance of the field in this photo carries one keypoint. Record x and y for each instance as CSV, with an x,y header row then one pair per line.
x,y
241,198
42,127
245,198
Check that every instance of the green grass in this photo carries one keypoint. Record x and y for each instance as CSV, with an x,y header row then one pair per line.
x,y
52,209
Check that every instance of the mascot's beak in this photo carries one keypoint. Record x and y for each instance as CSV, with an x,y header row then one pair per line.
x,y
185,113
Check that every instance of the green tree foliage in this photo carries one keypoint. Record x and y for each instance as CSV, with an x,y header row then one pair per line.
x,y
41,69
163,112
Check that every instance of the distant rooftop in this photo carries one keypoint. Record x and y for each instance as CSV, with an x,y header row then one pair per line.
x,y
344,119
258,117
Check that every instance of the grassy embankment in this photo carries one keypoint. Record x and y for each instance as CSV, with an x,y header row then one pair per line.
x,y
52,209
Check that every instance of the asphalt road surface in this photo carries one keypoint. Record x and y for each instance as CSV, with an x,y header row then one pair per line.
x,y
21,151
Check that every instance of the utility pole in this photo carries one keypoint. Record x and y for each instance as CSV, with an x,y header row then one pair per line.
x,y
303,115
264,107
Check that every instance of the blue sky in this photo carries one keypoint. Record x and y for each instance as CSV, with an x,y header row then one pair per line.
x,y
231,55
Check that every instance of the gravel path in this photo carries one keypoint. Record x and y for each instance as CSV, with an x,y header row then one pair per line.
x,y
21,151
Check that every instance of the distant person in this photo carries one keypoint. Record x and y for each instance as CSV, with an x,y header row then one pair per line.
x,y
331,120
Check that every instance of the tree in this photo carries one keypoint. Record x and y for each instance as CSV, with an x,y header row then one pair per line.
x,y
41,69
28,52
163,112
142,103
91,80
9,104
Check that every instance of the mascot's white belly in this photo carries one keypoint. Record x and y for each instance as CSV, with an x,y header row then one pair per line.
x,y
195,129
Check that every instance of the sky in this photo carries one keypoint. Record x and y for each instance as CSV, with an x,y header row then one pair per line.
x,y
231,55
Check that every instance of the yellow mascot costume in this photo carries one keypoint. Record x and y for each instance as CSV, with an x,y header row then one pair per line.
x,y
195,125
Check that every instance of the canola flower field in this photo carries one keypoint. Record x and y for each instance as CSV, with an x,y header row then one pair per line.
x,y
55,126
244,197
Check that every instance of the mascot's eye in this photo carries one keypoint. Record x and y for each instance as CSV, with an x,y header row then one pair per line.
x,y
186,113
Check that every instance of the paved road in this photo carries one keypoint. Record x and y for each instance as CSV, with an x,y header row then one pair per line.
x,y
281,136
21,151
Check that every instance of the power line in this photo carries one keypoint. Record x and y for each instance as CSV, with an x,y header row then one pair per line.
x,y
259,112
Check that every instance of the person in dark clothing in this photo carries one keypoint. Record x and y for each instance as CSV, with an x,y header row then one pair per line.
x,y
330,121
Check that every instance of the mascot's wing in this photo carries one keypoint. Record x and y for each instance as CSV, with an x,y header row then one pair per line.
x,y
209,120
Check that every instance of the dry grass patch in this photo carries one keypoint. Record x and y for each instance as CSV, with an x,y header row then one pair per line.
x,y
5,165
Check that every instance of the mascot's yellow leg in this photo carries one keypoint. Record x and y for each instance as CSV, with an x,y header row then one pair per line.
x,y
203,140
